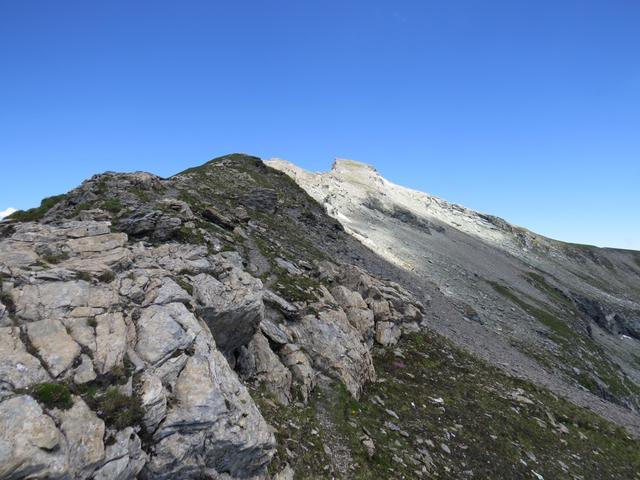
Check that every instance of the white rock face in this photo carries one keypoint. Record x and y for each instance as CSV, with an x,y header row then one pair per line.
x,y
463,257
111,341
232,306
30,444
153,399
213,424
18,369
133,323
336,348
55,299
266,368
54,345
84,432
159,330
124,458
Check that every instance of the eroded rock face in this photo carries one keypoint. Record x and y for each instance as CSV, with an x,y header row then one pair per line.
x,y
231,306
18,369
336,347
147,336
84,433
55,346
213,425
30,445
132,325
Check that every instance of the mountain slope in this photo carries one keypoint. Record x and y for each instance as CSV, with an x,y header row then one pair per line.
x,y
575,309
160,328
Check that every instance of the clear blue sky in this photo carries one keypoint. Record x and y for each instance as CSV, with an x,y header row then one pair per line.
x,y
525,109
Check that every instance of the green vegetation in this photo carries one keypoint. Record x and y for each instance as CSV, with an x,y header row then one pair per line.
x,y
102,395
541,284
107,276
295,288
112,205
492,424
142,194
37,213
7,301
186,286
189,235
577,350
54,258
116,409
53,395
86,276
555,324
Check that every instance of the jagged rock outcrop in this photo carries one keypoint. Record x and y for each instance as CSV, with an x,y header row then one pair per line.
x,y
70,328
153,328
129,337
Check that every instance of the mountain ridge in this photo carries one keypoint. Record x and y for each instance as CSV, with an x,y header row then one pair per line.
x,y
219,324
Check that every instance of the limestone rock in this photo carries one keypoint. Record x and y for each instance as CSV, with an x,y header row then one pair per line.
x,y
30,445
213,426
81,330
84,372
356,308
302,372
387,333
18,368
165,290
124,458
336,347
54,345
231,307
153,399
160,331
55,299
267,369
84,432
111,341
97,243
285,474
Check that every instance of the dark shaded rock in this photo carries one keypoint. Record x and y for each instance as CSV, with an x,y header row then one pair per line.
x,y
231,307
154,224
612,322
218,218
261,199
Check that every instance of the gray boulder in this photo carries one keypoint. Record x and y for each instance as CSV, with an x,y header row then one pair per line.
x,y
231,306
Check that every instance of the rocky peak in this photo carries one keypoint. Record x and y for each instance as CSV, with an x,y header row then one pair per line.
x,y
138,313
346,166
220,324
498,274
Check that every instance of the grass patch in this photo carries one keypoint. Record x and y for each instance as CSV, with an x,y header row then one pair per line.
x,y
576,350
37,213
53,258
112,205
116,409
86,276
107,276
551,321
186,286
189,235
541,284
53,395
443,395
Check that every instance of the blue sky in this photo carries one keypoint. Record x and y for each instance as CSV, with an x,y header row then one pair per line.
x,y
529,110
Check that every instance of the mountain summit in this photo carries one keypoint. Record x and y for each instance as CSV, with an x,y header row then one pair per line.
x,y
572,308
237,322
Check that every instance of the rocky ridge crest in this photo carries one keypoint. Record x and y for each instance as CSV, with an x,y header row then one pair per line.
x,y
136,310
